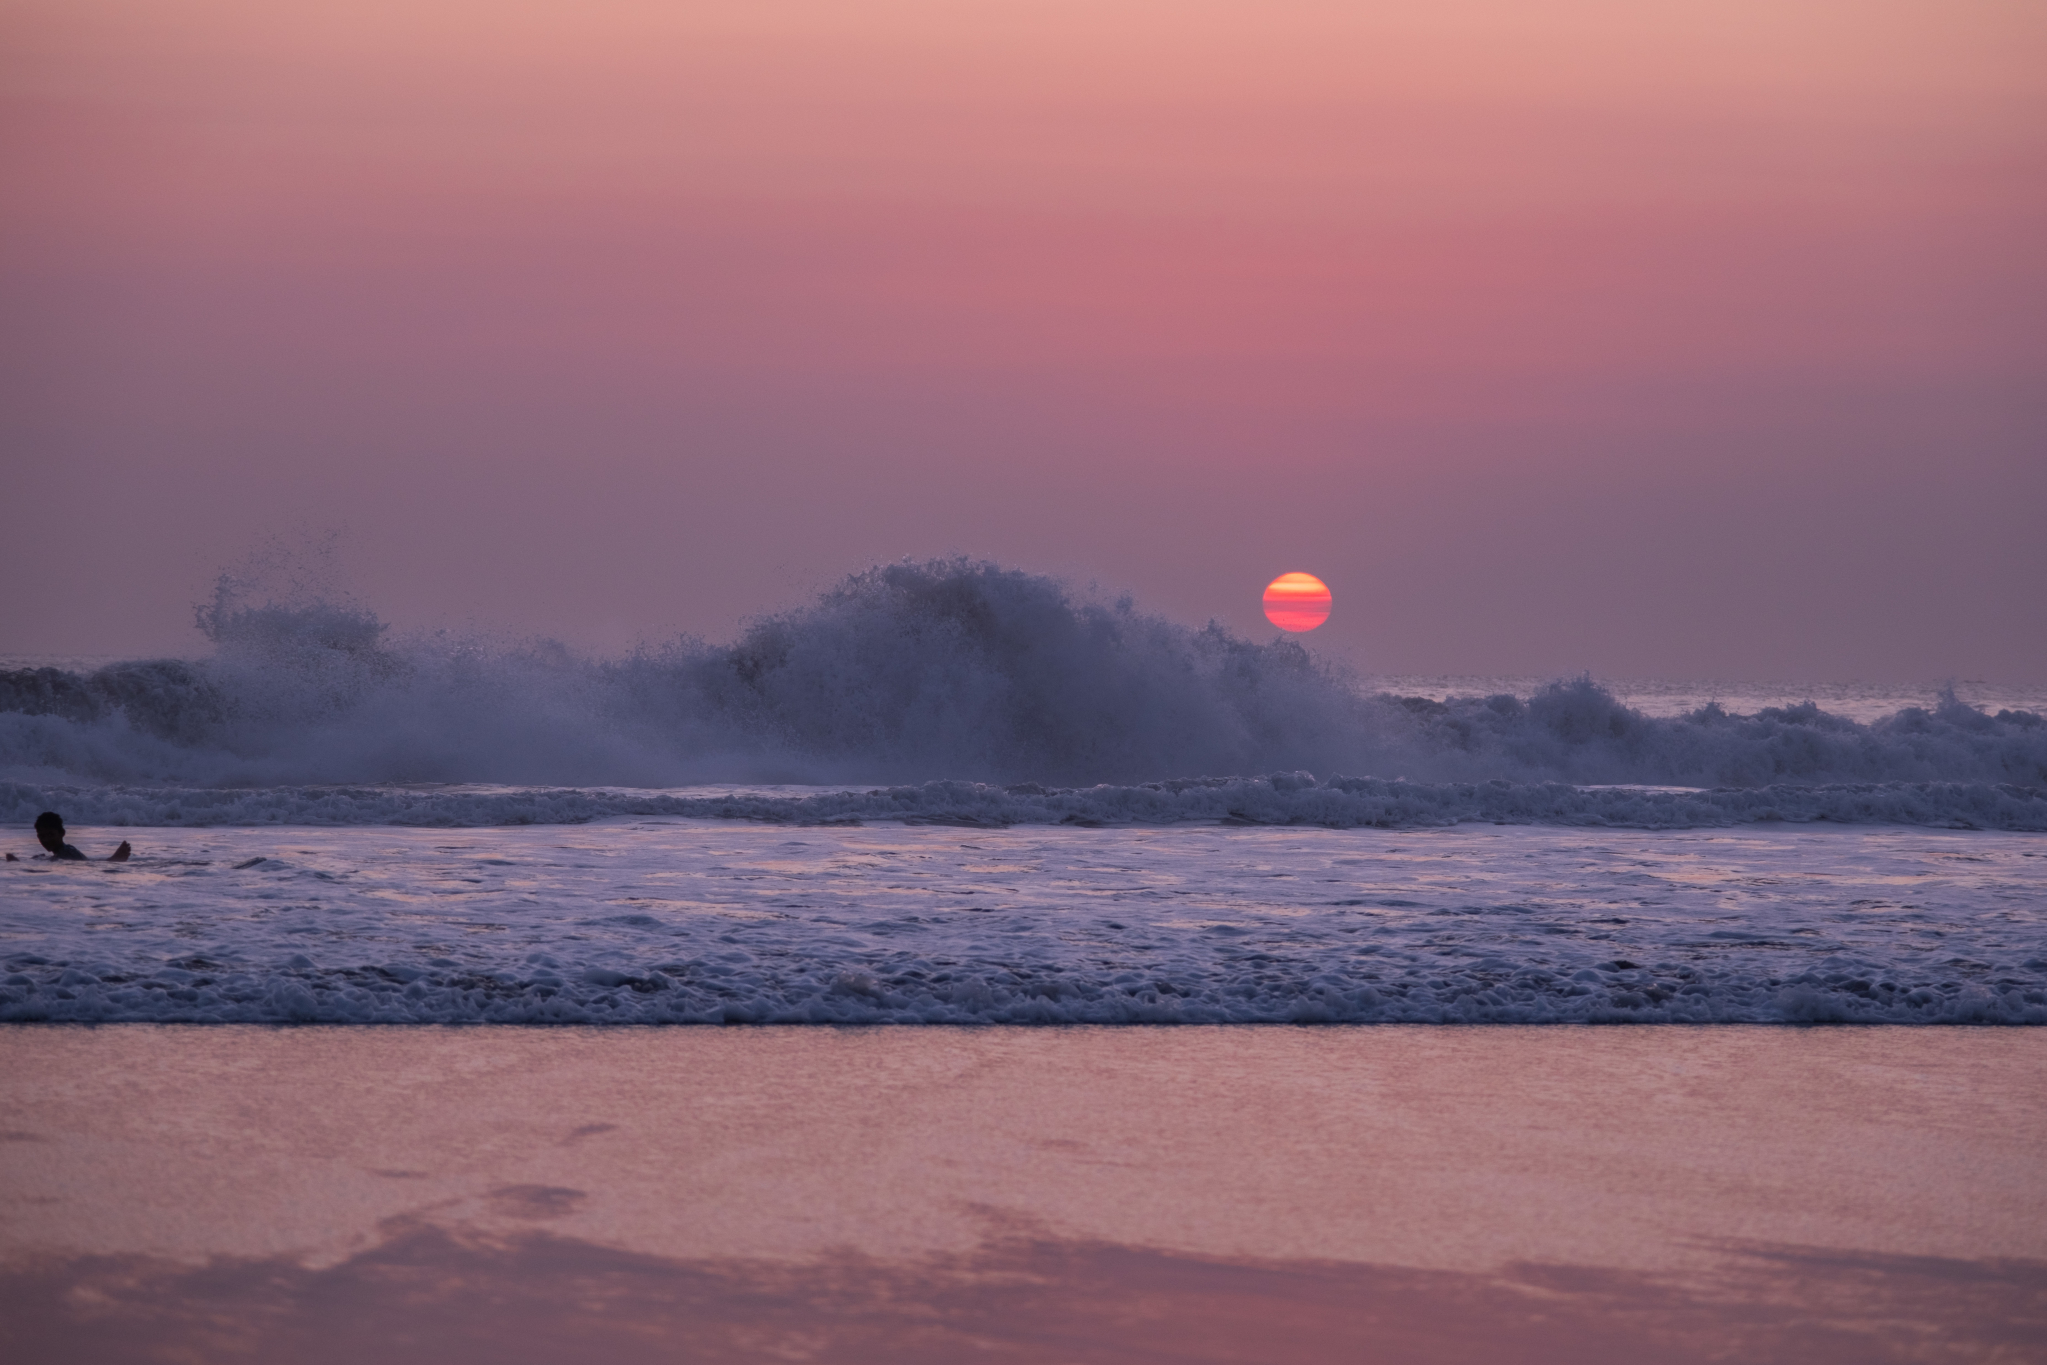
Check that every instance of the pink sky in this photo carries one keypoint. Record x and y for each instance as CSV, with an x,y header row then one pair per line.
x,y
1683,339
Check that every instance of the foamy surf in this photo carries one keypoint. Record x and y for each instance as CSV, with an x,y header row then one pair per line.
x,y
652,922
951,793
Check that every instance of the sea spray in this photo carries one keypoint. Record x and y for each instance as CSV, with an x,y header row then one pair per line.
x,y
947,670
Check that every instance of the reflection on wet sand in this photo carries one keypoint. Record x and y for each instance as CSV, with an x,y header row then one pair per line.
x,y
1227,1194
429,1294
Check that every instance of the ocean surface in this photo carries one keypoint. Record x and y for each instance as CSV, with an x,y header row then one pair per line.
x,y
950,793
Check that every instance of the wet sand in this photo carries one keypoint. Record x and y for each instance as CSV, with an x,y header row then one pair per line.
x,y
1224,1194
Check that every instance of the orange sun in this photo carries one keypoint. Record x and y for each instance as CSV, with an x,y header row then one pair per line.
x,y
1297,601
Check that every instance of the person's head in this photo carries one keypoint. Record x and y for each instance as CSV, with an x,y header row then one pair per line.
x,y
50,830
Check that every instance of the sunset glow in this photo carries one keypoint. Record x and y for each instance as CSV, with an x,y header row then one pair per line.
x,y
754,295
1297,601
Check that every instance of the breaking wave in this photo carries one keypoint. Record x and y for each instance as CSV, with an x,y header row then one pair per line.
x,y
947,671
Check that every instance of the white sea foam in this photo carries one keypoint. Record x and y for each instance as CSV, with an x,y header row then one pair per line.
x,y
717,922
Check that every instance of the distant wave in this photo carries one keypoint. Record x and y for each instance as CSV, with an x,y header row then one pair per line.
x,y
1280,799
906,673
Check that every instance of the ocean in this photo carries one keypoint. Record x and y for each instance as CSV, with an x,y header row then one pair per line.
x,y
949,793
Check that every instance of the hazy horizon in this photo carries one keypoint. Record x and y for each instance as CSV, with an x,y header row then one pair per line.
x,y
402,632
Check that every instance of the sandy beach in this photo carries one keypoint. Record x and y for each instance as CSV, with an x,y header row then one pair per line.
x,y
1225,1194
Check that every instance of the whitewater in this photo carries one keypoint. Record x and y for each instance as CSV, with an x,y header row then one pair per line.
x,y
947,792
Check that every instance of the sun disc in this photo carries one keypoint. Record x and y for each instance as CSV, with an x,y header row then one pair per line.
x,y
1297,601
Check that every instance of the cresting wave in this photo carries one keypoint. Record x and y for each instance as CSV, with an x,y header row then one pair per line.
x,y
1282,799
908,673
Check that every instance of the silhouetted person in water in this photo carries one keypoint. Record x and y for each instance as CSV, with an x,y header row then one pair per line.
x,y
50,834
